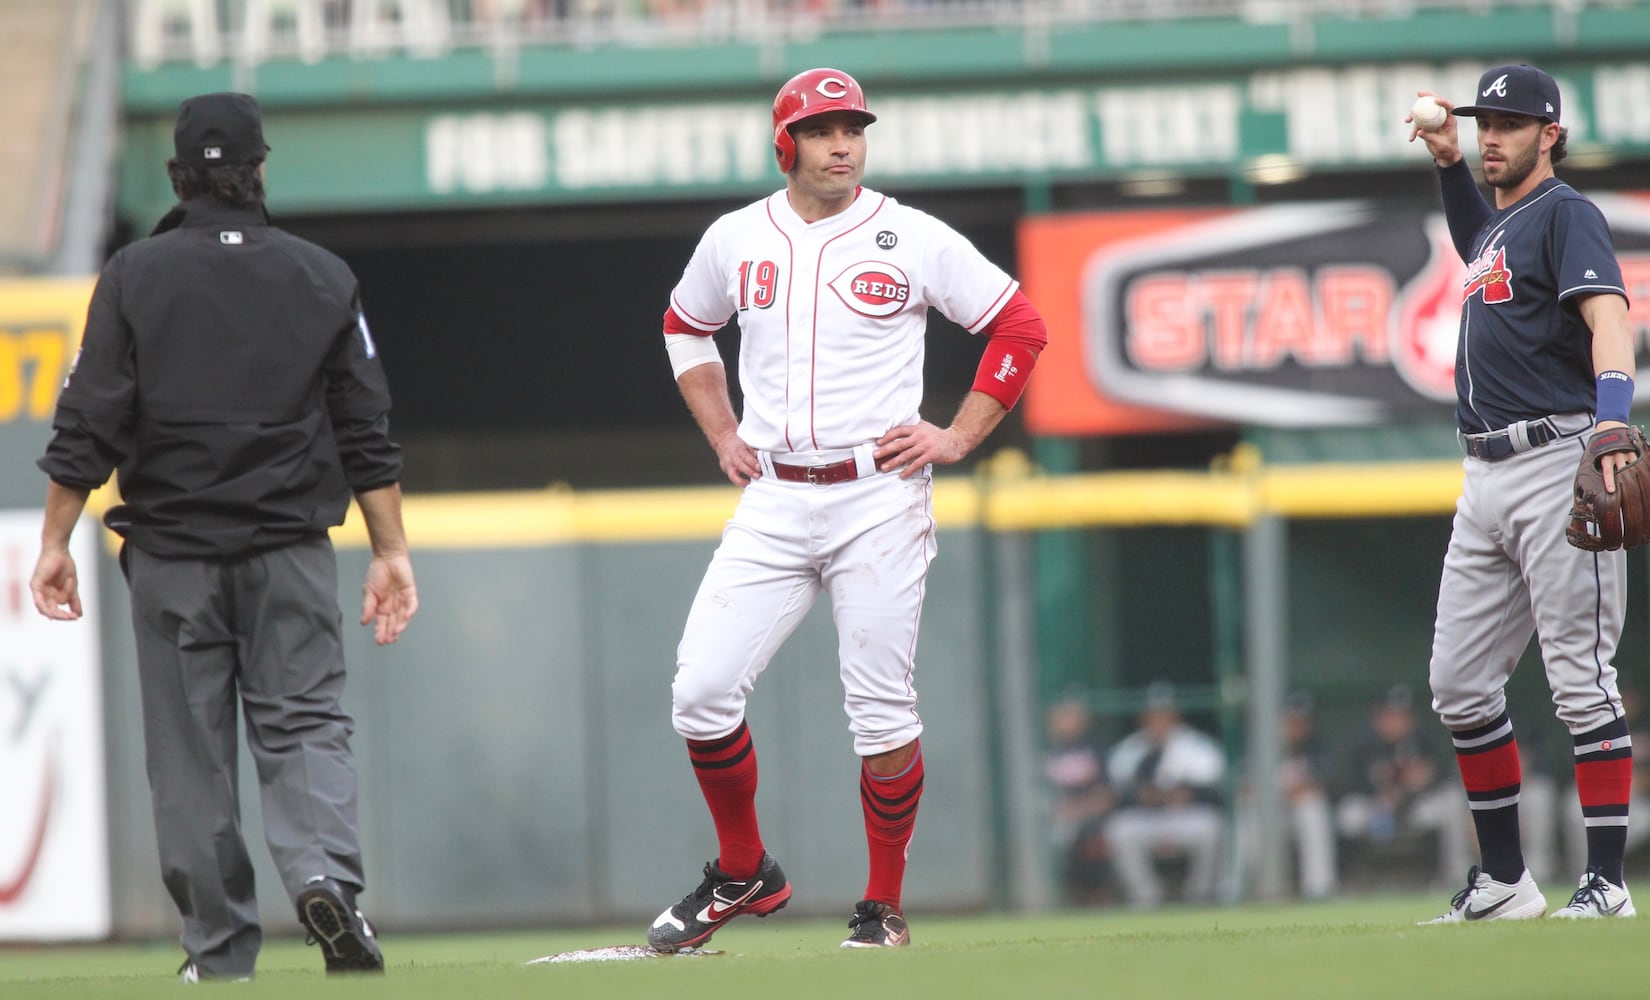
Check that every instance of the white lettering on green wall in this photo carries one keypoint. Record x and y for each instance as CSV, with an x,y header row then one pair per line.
x,y
482,153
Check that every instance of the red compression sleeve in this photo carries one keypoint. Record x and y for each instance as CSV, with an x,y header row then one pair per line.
x,y
1017,336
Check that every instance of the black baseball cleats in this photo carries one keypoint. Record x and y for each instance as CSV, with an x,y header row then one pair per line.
x,y
719,898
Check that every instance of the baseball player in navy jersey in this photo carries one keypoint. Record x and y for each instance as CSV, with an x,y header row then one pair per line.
x,y
831,284
1544,358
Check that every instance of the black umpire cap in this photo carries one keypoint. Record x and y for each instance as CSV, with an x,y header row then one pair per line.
x,y
1516,90
215,129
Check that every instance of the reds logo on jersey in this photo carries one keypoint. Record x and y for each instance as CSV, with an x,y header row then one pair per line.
x,y
1489,274
872,288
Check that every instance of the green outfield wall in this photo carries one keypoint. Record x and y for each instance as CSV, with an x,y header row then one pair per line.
x,y
578,147
1005,105
518,764
517,760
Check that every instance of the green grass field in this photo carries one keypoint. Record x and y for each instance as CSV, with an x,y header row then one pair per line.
x,y
1362,948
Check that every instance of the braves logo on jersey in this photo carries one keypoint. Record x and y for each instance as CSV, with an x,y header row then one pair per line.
x,y
872,288
1489,274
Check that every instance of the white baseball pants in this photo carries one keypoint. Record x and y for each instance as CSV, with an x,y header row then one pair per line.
x,y
868,544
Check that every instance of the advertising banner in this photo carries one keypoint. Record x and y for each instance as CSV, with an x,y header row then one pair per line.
x,y
40,325
1298,315
54,852
445,154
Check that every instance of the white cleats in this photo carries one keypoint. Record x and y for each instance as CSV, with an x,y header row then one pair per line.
x,y
1597,897
1486,899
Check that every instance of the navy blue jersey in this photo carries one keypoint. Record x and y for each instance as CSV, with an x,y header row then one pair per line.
x,y
1524,350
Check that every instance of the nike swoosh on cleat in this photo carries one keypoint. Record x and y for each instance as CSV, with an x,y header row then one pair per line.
x,y
1613,910
1472,914
721,909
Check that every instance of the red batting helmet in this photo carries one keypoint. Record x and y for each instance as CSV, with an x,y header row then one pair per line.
x,y
809,93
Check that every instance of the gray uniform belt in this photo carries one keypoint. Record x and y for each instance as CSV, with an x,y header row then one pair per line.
x,y
1524,435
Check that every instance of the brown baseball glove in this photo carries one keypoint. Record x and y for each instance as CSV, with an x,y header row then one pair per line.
x,y
1600,520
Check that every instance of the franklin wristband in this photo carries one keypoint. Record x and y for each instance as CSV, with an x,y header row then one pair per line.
x,y
1615,395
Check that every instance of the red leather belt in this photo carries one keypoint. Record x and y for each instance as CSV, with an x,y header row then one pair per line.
x,y
819,475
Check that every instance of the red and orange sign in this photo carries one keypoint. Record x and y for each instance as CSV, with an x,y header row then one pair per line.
x,y
1310,314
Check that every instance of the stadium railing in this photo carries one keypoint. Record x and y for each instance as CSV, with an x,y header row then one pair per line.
x,y
251,31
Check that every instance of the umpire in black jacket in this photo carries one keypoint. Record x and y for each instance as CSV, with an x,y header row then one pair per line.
x,y
228,372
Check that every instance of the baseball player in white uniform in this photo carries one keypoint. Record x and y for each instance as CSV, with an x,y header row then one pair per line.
x,y
831,283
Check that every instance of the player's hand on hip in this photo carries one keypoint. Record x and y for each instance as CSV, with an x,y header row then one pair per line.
x,y
55,586
911,447
738,460
389,597
1444,143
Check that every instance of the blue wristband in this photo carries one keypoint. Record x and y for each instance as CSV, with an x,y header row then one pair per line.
x,y
1615,395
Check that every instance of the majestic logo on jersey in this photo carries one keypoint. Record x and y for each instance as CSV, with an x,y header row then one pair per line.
x,y
873,288
835,88
1499,88
1489,274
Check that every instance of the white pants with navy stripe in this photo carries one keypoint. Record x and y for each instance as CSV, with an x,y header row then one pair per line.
x,y
1510,573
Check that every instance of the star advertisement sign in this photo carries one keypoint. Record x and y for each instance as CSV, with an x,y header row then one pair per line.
x,y
1296,315
54,852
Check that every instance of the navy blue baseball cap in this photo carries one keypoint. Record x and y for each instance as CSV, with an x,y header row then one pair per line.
x,y
215,129
1516,90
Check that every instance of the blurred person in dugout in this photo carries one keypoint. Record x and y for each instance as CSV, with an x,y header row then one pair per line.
x,y
1310,817
1395,788
227,371
1075,770
1168,777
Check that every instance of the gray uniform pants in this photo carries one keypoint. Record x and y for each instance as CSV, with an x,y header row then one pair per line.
x,y
265,630
1509,572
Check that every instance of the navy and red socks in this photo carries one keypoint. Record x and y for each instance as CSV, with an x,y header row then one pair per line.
x,y
1604,777
1490,770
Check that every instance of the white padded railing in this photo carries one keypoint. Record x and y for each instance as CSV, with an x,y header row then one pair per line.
x,y
251,31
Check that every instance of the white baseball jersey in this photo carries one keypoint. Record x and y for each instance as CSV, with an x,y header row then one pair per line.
x,y
833,314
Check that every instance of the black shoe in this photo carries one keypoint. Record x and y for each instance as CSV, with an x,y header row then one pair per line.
x,y
876,925
719,898
328,912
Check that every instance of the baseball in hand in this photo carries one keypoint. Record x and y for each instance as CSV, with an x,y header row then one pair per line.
x,y
1429,115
